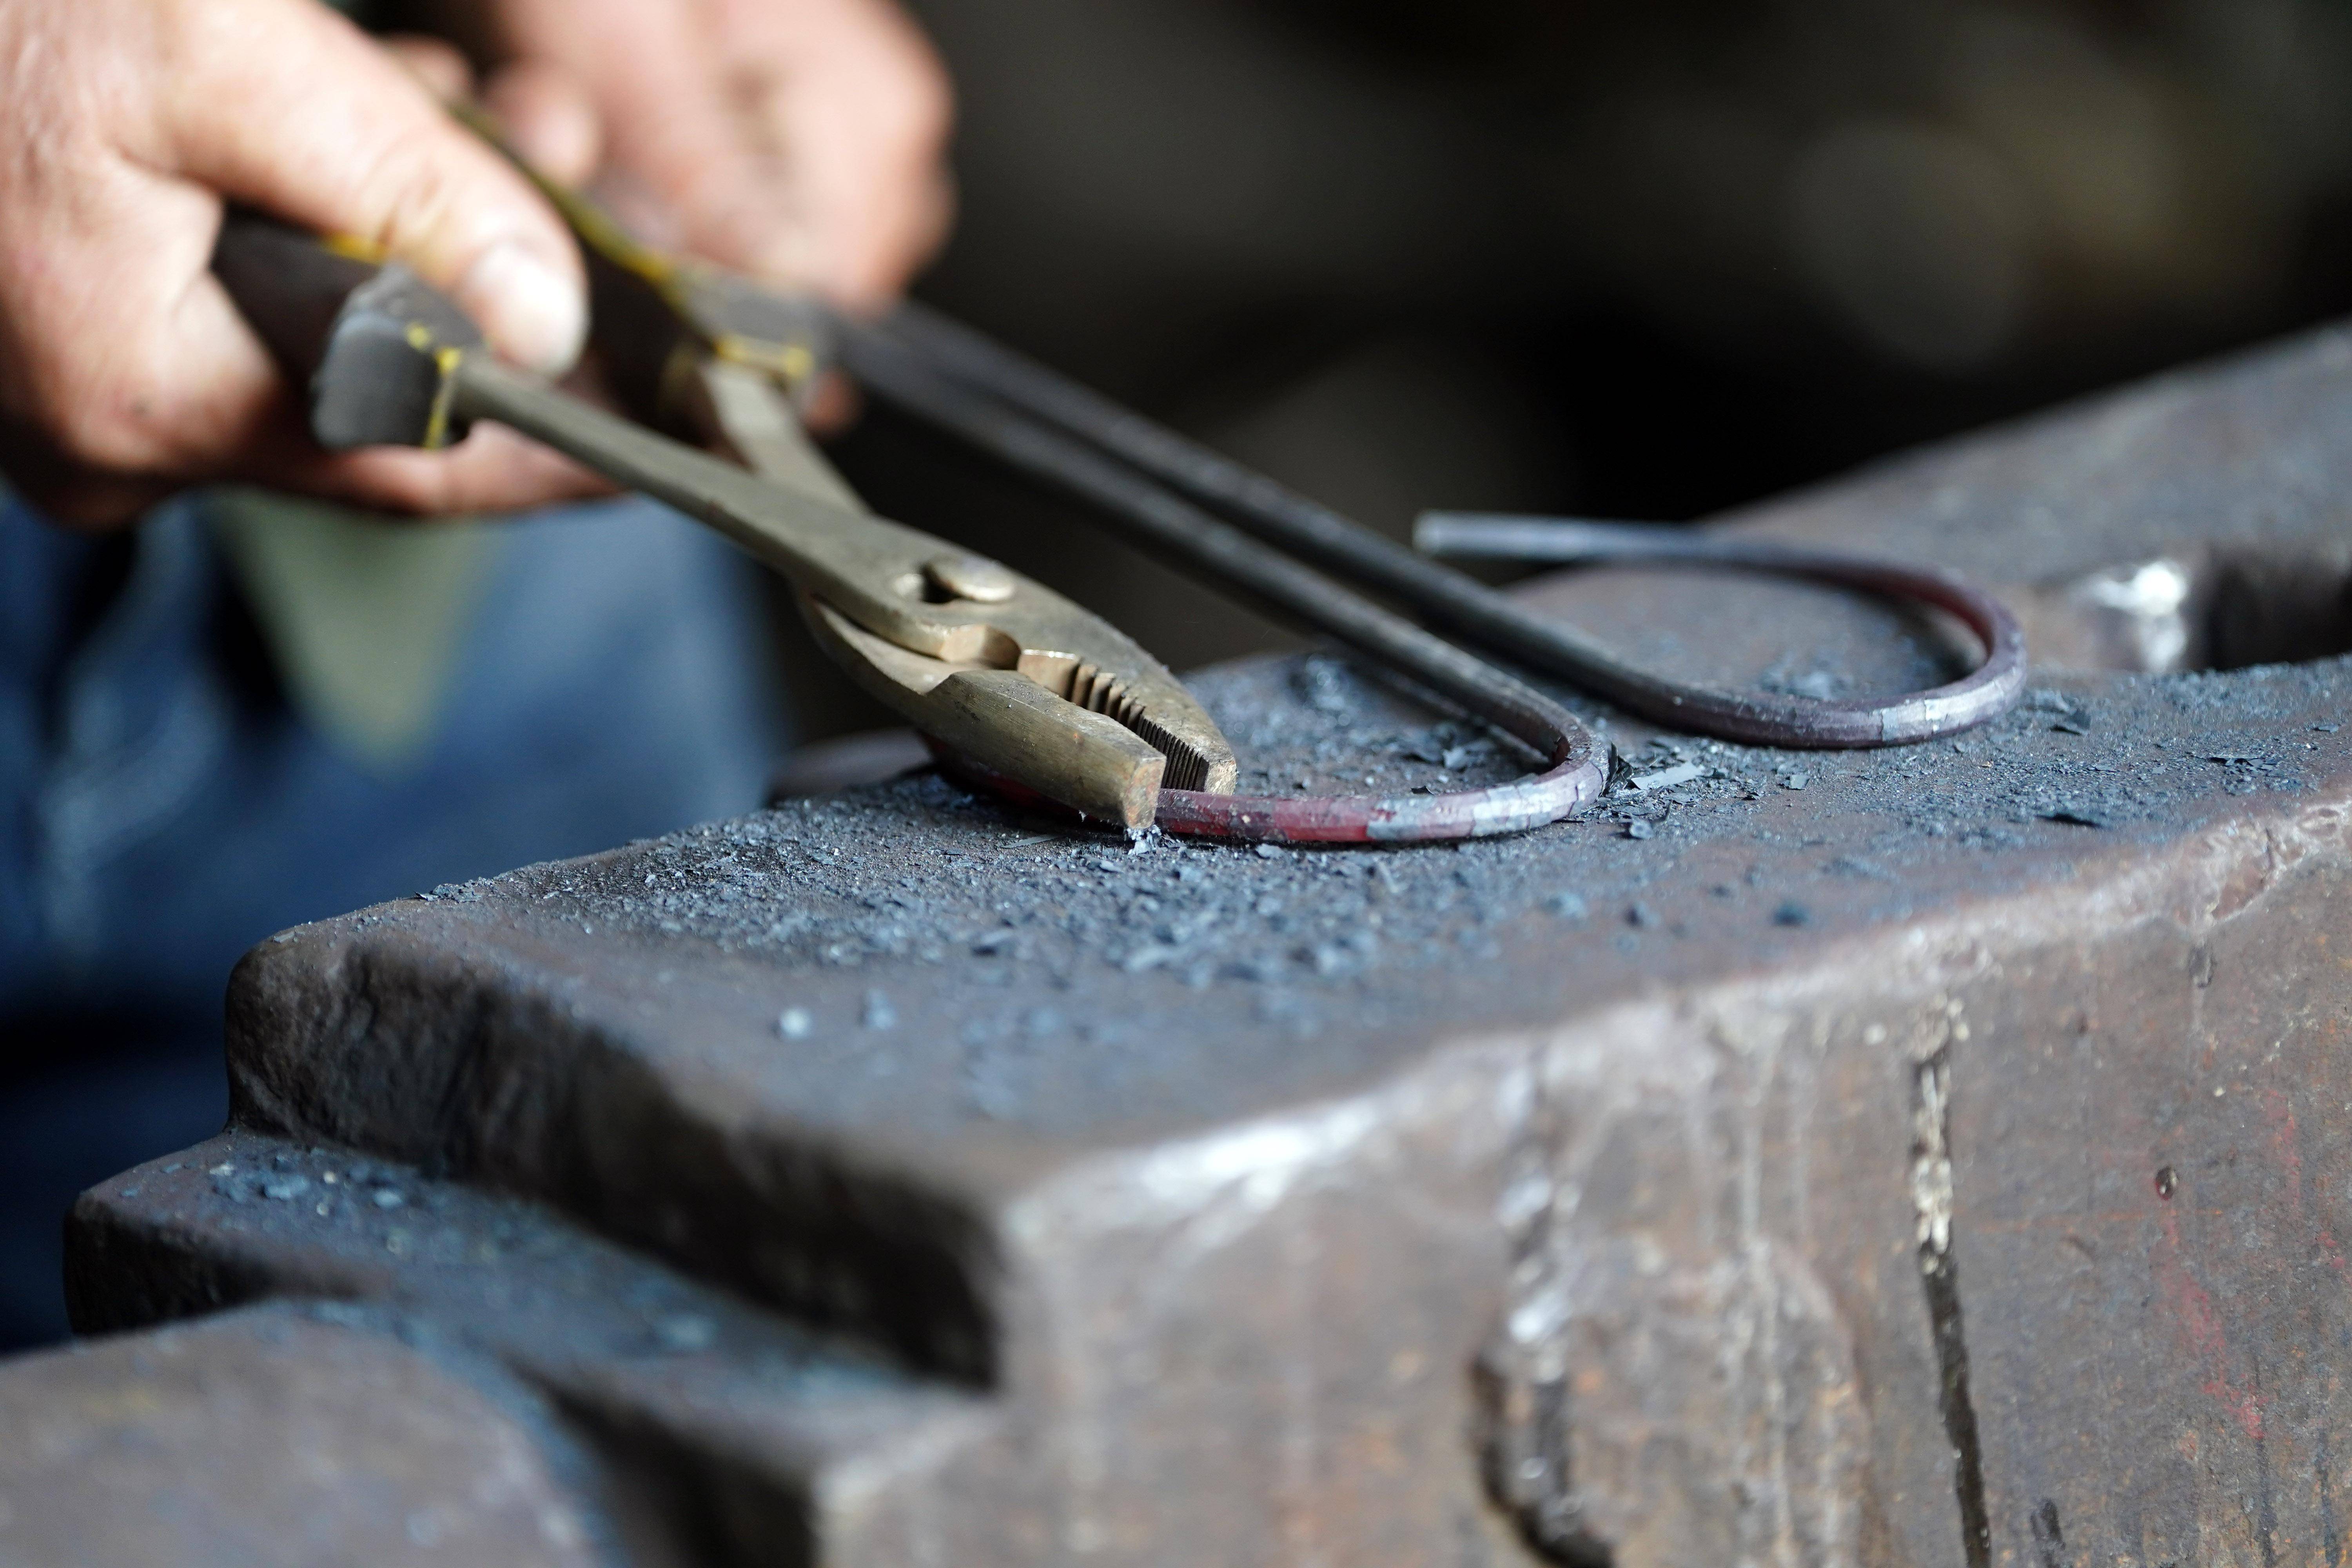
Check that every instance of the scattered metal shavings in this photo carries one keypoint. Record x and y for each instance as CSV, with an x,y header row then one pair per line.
x,y
1667,778
2068,714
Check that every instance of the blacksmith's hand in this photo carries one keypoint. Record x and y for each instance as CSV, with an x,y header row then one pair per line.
x,y
125,371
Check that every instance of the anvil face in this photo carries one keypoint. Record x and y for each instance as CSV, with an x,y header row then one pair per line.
x,y
1925,1157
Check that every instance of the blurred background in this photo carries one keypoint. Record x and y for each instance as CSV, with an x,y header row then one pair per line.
x,y
1646,261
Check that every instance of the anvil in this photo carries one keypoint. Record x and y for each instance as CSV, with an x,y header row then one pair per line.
x,y
1930,1156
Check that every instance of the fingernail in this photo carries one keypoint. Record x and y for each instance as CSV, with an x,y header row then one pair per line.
x,y
534,314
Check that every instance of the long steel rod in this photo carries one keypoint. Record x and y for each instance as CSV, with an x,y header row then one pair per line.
x,y
1469,607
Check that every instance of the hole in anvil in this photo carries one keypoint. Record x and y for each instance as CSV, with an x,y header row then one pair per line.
x,y
2216,609
2278,610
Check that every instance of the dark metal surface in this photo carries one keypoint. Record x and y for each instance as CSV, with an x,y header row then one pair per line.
x,y
289,1437
699,1428
1930,1156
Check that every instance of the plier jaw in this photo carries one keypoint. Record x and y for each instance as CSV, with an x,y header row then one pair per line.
x,y
1075,674
1022,723
991,665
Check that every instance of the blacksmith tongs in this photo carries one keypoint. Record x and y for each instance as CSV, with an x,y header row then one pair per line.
x,y
995,666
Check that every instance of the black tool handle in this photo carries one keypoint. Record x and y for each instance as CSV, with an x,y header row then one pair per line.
x,y
375,346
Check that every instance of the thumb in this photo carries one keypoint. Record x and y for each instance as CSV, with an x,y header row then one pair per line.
x,y
316,124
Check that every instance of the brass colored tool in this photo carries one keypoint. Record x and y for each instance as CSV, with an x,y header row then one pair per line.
x,y
989,663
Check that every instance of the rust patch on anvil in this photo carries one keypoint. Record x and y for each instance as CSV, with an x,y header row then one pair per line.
x,y
1766,1168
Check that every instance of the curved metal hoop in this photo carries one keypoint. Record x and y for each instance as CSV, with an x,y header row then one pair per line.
x,y
1761,718
1578,773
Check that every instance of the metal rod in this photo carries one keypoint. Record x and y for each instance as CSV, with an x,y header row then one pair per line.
x,y
1470,608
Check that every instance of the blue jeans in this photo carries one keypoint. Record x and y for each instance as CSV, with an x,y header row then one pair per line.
x,y
164,806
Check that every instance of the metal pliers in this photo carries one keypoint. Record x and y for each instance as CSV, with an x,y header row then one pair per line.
x,y
999,668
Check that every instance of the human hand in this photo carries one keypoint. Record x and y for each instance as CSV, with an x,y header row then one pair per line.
x,y
125,371
801,140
